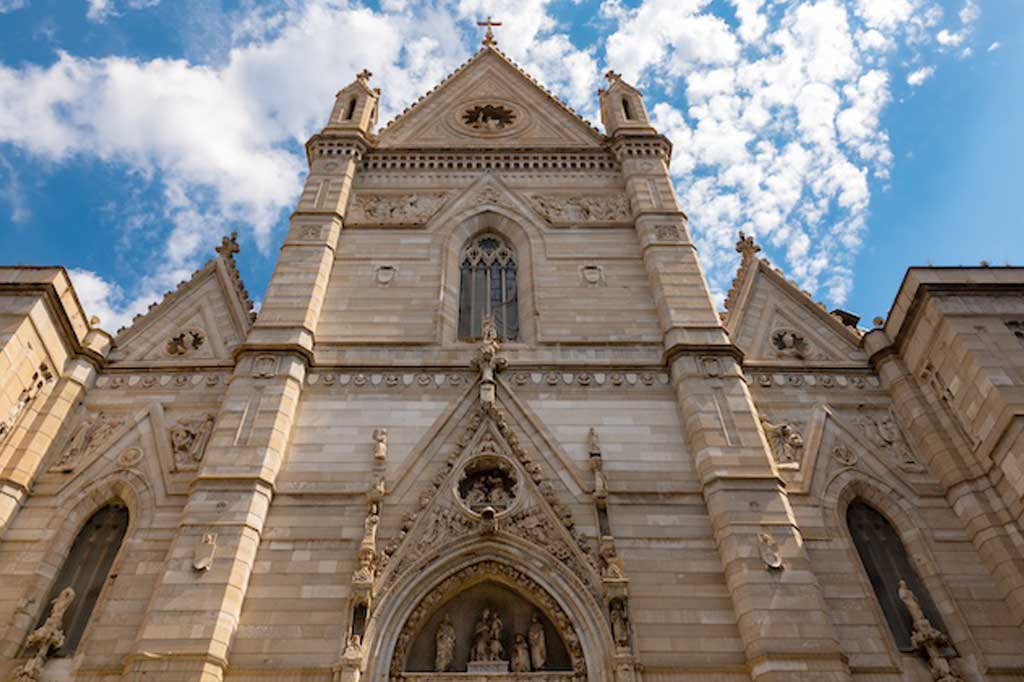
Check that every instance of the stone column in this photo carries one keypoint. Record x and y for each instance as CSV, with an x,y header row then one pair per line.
x,y
782,616
193,614
972,496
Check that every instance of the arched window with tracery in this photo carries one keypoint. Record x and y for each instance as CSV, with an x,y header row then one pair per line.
x,y
86,570
488,287
886,563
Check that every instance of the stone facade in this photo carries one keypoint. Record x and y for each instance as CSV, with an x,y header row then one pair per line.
x,y
633,488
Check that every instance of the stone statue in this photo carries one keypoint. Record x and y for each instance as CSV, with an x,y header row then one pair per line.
x,y
488,361
364,572
477,494
49,635
444,643
495,649
620,624
481,636
910,601
600,480
612,567
786,442
370,528
925,637
189,438
593,443
538,645
520,655
380,445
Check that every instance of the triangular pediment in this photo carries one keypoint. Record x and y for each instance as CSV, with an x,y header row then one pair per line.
x,y
201,322
522,499
836,442
487,103
772,321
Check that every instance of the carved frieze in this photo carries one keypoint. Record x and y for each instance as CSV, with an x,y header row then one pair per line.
x,y
394,209
582,208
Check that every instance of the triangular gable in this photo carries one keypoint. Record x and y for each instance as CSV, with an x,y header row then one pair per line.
x,y
438,119
772,320
833,445
200,322
539,512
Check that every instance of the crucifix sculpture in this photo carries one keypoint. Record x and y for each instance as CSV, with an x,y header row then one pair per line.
x,y
489,36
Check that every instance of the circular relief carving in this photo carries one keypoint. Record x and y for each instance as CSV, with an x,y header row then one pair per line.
x,y
486,117
129,457
487,486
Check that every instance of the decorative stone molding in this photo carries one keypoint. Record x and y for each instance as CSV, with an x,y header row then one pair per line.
x,y
264,366
582,208
159,381
790,344
520,378
394,209
384,275
667,233
470,162
472,575
40,379
834,381
844,455
129,457
592,275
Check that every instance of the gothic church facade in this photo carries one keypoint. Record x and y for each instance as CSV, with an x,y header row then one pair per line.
x,y
488,425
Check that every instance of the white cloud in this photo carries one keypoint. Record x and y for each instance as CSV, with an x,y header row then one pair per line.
x,y
947,39
916,78
11,5
98,10
994,46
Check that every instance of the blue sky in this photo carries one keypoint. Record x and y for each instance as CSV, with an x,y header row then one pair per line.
x,y
853,137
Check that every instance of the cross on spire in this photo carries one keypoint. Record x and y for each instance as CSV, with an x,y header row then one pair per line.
x,y
489,40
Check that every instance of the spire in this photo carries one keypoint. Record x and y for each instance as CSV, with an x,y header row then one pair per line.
x,y
489,40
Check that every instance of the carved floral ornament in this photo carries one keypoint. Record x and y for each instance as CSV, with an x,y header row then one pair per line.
x,y
489,117
502,574
185,342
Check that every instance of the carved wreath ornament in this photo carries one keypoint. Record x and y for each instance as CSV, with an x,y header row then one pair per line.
x,y
489,117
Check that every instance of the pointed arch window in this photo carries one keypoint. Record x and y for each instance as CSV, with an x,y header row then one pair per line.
x,y
886,562
488,286
86,570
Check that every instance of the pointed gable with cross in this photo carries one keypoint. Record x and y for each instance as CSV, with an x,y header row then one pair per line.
x,y
489,102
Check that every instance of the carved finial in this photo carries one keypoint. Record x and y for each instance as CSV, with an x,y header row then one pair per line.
x,y
228,246
364,75
613,76
746,246
489,40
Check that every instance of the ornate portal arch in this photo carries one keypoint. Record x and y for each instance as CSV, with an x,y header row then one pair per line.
x,y
400,615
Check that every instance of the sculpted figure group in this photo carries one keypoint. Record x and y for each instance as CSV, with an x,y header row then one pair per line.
x,y
529,650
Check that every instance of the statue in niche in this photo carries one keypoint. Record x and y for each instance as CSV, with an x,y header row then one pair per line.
x,y
538,645
380,445
520,655
789,343
49,635
786,442
487,644
620,623
444,643
188,440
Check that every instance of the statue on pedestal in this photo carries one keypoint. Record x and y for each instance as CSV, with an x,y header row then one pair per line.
x,y
538,645
444,643
520,655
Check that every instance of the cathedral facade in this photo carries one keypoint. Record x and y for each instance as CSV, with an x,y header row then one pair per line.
x,y
489,425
